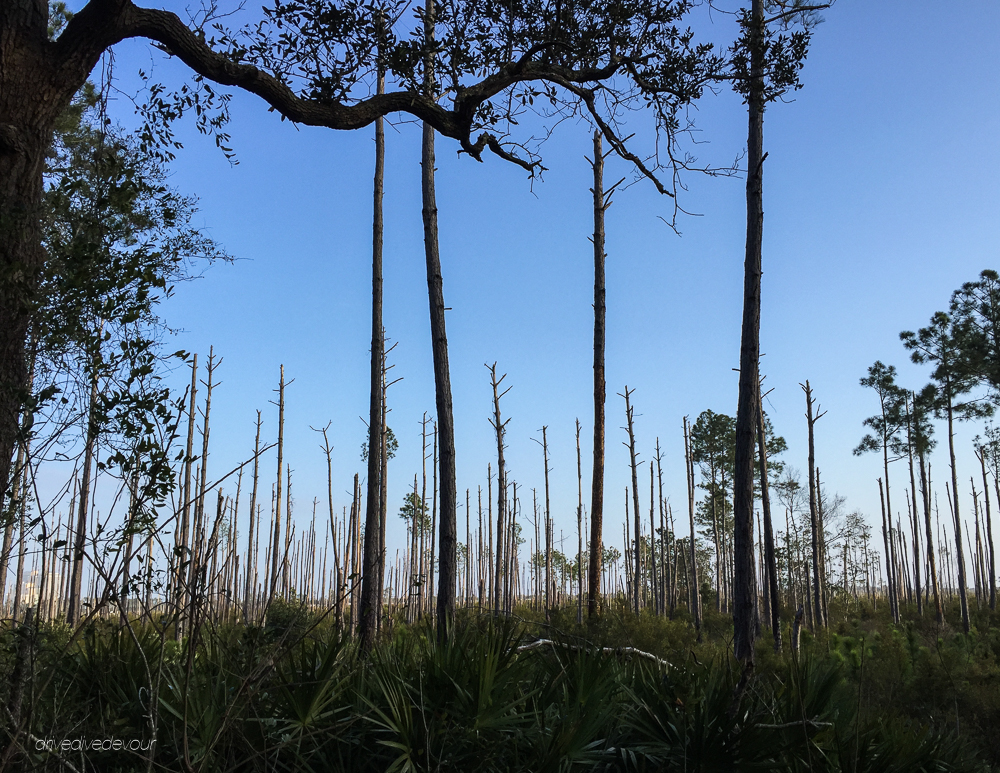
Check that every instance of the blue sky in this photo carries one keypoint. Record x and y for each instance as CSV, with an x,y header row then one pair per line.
x,y
881,197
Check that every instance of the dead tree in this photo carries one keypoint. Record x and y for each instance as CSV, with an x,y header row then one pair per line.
x,y
630,428
819,612
694,598
774,599
276,543
500,428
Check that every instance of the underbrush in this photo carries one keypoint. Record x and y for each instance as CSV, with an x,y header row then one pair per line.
x,y
621,693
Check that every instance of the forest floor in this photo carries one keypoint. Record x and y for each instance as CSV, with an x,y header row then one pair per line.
x,y
620,693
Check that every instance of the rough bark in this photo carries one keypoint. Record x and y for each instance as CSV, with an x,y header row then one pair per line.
x,y
744,591
600,388
369,582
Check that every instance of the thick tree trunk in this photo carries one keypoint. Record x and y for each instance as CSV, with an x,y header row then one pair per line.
x,y
600,389
744,593
370,583
447,573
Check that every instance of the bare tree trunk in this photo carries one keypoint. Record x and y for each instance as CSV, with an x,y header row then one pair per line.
x,y
744,593
442,378
992,569
654,588
814,517
664,565
637,571
959,553
890,580
600,394
579,529
500,427
369,581
770,560
276,545
549,587
915,513
248,591
695,593
369,611
80,533
925,495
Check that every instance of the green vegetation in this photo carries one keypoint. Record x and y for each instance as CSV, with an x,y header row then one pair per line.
x,y
295,695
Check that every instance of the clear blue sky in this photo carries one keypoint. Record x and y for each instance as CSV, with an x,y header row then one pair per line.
x,y
881,197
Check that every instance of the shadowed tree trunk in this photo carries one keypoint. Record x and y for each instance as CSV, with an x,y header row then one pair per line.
x,y
500,428
744,590
637,557
80,533
774,605
370,583
694,599
447,573
814,518
600,389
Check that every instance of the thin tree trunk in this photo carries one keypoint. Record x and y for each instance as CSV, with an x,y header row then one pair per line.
x,y
652,543
695,592
579,528
637,570
915,513
600,311
549,587
992,569
276,544
890,580
770,559
817,591
499,426
959,553
80,533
